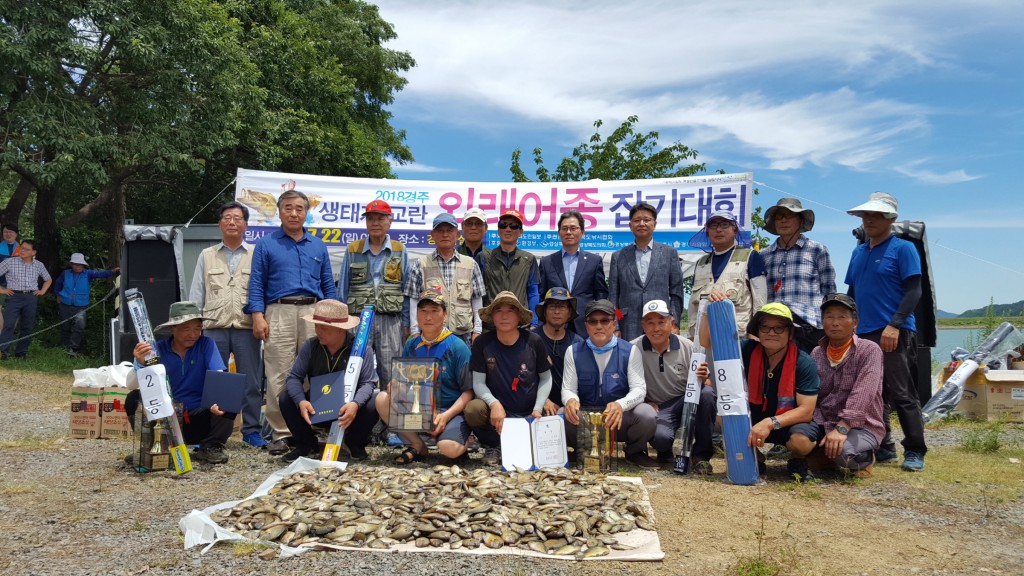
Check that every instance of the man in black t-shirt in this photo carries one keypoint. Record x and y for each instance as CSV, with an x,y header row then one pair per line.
x,y
556,313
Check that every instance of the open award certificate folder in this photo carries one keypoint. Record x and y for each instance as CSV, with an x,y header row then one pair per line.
x,y
532,444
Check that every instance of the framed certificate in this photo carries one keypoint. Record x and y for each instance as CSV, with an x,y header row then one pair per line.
x,y
413,397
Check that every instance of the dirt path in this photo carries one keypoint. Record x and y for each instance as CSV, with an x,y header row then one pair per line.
x,y
69,507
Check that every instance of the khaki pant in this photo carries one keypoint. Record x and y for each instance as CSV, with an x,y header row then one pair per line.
x,y
287,332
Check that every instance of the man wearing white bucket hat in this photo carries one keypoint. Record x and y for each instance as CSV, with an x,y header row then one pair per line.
x,y
885,280
800,271
73,294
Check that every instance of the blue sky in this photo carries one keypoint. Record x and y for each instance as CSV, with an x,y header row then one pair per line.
x,y
824,101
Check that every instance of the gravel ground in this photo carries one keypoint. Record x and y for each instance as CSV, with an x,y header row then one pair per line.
x,y
71,507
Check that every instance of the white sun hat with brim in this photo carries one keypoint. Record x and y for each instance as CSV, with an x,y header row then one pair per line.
x,y
877,202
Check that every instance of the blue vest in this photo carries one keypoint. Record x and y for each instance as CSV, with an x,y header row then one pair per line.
x,y
615,383
76,288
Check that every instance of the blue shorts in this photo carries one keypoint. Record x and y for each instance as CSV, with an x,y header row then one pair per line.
x,y
456,430
809,429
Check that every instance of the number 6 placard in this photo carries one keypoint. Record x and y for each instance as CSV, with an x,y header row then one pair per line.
x,y
156,401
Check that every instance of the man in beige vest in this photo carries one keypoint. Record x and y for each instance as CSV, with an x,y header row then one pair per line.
x,y
456,276
220,288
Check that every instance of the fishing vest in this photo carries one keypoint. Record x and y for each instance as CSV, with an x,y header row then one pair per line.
x,y
75,291
226,293
387,296
595,390
733,281
459,298
515,279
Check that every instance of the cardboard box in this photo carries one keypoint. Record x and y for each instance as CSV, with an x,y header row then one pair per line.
x,y
113,419
85,412
994,395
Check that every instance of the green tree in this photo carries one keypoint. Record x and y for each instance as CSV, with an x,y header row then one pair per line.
x,y
145,108
624,155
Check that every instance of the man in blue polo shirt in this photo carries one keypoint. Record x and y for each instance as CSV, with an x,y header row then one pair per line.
x,y
291,271
885,280
186,356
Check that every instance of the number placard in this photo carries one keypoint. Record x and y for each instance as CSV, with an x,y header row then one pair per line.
x,y
693,383
156,400
732,390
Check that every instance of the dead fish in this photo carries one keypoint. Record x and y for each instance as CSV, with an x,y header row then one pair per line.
x,y
595,551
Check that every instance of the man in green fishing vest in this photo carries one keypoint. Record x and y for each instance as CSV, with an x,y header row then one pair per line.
x,y
375,272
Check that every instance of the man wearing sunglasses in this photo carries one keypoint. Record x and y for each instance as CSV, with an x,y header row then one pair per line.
x,y
508,268
606,374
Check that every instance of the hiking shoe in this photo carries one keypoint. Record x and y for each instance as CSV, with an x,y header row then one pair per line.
x,y
642,460
913,461
883,455
295,454
278,447
864,472
357,453
211,454
797,468
254,439
778,452
702,467
492,457
666,457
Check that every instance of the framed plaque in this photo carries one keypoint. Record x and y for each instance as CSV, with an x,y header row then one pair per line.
x,y
413,398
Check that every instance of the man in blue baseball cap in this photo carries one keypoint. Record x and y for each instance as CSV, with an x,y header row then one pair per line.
x,y
456,276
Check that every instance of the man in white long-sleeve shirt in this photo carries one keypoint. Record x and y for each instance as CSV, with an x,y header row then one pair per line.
x,y
606,373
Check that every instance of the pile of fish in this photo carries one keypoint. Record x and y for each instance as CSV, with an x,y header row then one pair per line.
x,y
563,512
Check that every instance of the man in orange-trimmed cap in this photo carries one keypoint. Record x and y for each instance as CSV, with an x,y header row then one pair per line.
x,y
375,271
510,268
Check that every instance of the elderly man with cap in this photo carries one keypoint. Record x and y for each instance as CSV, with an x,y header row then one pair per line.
x,y
643,271
73,289
581,272
783,385
666,361
474,231
291,270
375,271
186,356
800,270
328,353
509,268
511,372
885,279
849,414
23,275
556,314
605,373
457,276
736,271
454,381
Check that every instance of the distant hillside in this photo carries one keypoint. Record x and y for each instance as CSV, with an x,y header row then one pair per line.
x,y
943,314
1000,310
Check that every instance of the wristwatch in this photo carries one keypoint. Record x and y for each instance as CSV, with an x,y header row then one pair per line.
x,y
842,429
775,423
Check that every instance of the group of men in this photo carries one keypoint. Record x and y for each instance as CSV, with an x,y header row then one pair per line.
x,y
517,337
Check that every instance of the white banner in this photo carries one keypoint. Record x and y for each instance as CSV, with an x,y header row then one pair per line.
x,y
337,204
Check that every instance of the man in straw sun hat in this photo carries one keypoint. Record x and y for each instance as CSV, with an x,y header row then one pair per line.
x,y
328,353
186,356
799,269
511,372
885,280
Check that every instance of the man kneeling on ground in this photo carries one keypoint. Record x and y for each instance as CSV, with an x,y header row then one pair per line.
x,y
454,382
186,356
327,353
848,416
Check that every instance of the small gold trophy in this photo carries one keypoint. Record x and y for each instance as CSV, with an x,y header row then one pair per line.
x,y
414,419
158,438
592,461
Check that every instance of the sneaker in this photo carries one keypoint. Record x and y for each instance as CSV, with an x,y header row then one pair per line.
x,y
213,454
702,467
295,454
393,440
357,453
254,439
278,447
797,468
913,461
883,455
642,460
492,457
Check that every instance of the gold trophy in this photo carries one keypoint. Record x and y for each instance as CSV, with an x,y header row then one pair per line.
x,y
592,461
414,419
158,438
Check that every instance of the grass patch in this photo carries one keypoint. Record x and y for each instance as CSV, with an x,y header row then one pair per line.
x,y
247,548
53,361
33,443
971,478
810,490
15,488
769,561
983,441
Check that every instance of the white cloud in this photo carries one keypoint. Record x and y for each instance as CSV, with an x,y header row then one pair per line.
x,y
417,168
929,177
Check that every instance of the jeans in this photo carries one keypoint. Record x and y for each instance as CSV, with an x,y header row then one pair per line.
x,y
246,348
72,331
19,312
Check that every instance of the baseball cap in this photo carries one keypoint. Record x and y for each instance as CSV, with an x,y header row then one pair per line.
x,y
377,207
433,295
513,213
444,218
656,307
724,214
600,306
475,213
841,299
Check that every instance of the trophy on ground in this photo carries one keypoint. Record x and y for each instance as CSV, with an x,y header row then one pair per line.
x,y
596,443
413,394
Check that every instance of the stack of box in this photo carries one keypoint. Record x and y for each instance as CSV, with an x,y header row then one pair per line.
x,y
97,402
993,395
85,411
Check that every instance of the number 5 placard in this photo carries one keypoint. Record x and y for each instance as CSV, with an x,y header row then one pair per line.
x,y
156,401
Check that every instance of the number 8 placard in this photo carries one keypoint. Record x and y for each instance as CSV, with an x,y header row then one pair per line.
x,y
732,391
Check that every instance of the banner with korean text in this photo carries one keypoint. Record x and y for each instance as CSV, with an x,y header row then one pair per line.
x,y
337,203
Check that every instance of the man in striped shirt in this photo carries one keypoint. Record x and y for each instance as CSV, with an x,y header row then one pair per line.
x,y
23,274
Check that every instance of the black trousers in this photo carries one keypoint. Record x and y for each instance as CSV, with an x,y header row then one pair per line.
x,y
899,390
357,435
200,426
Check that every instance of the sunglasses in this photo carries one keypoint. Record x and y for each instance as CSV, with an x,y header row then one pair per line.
x,y
600,321
512,225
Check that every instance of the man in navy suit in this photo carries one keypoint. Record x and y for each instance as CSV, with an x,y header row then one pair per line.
x,y
643,271
581,271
